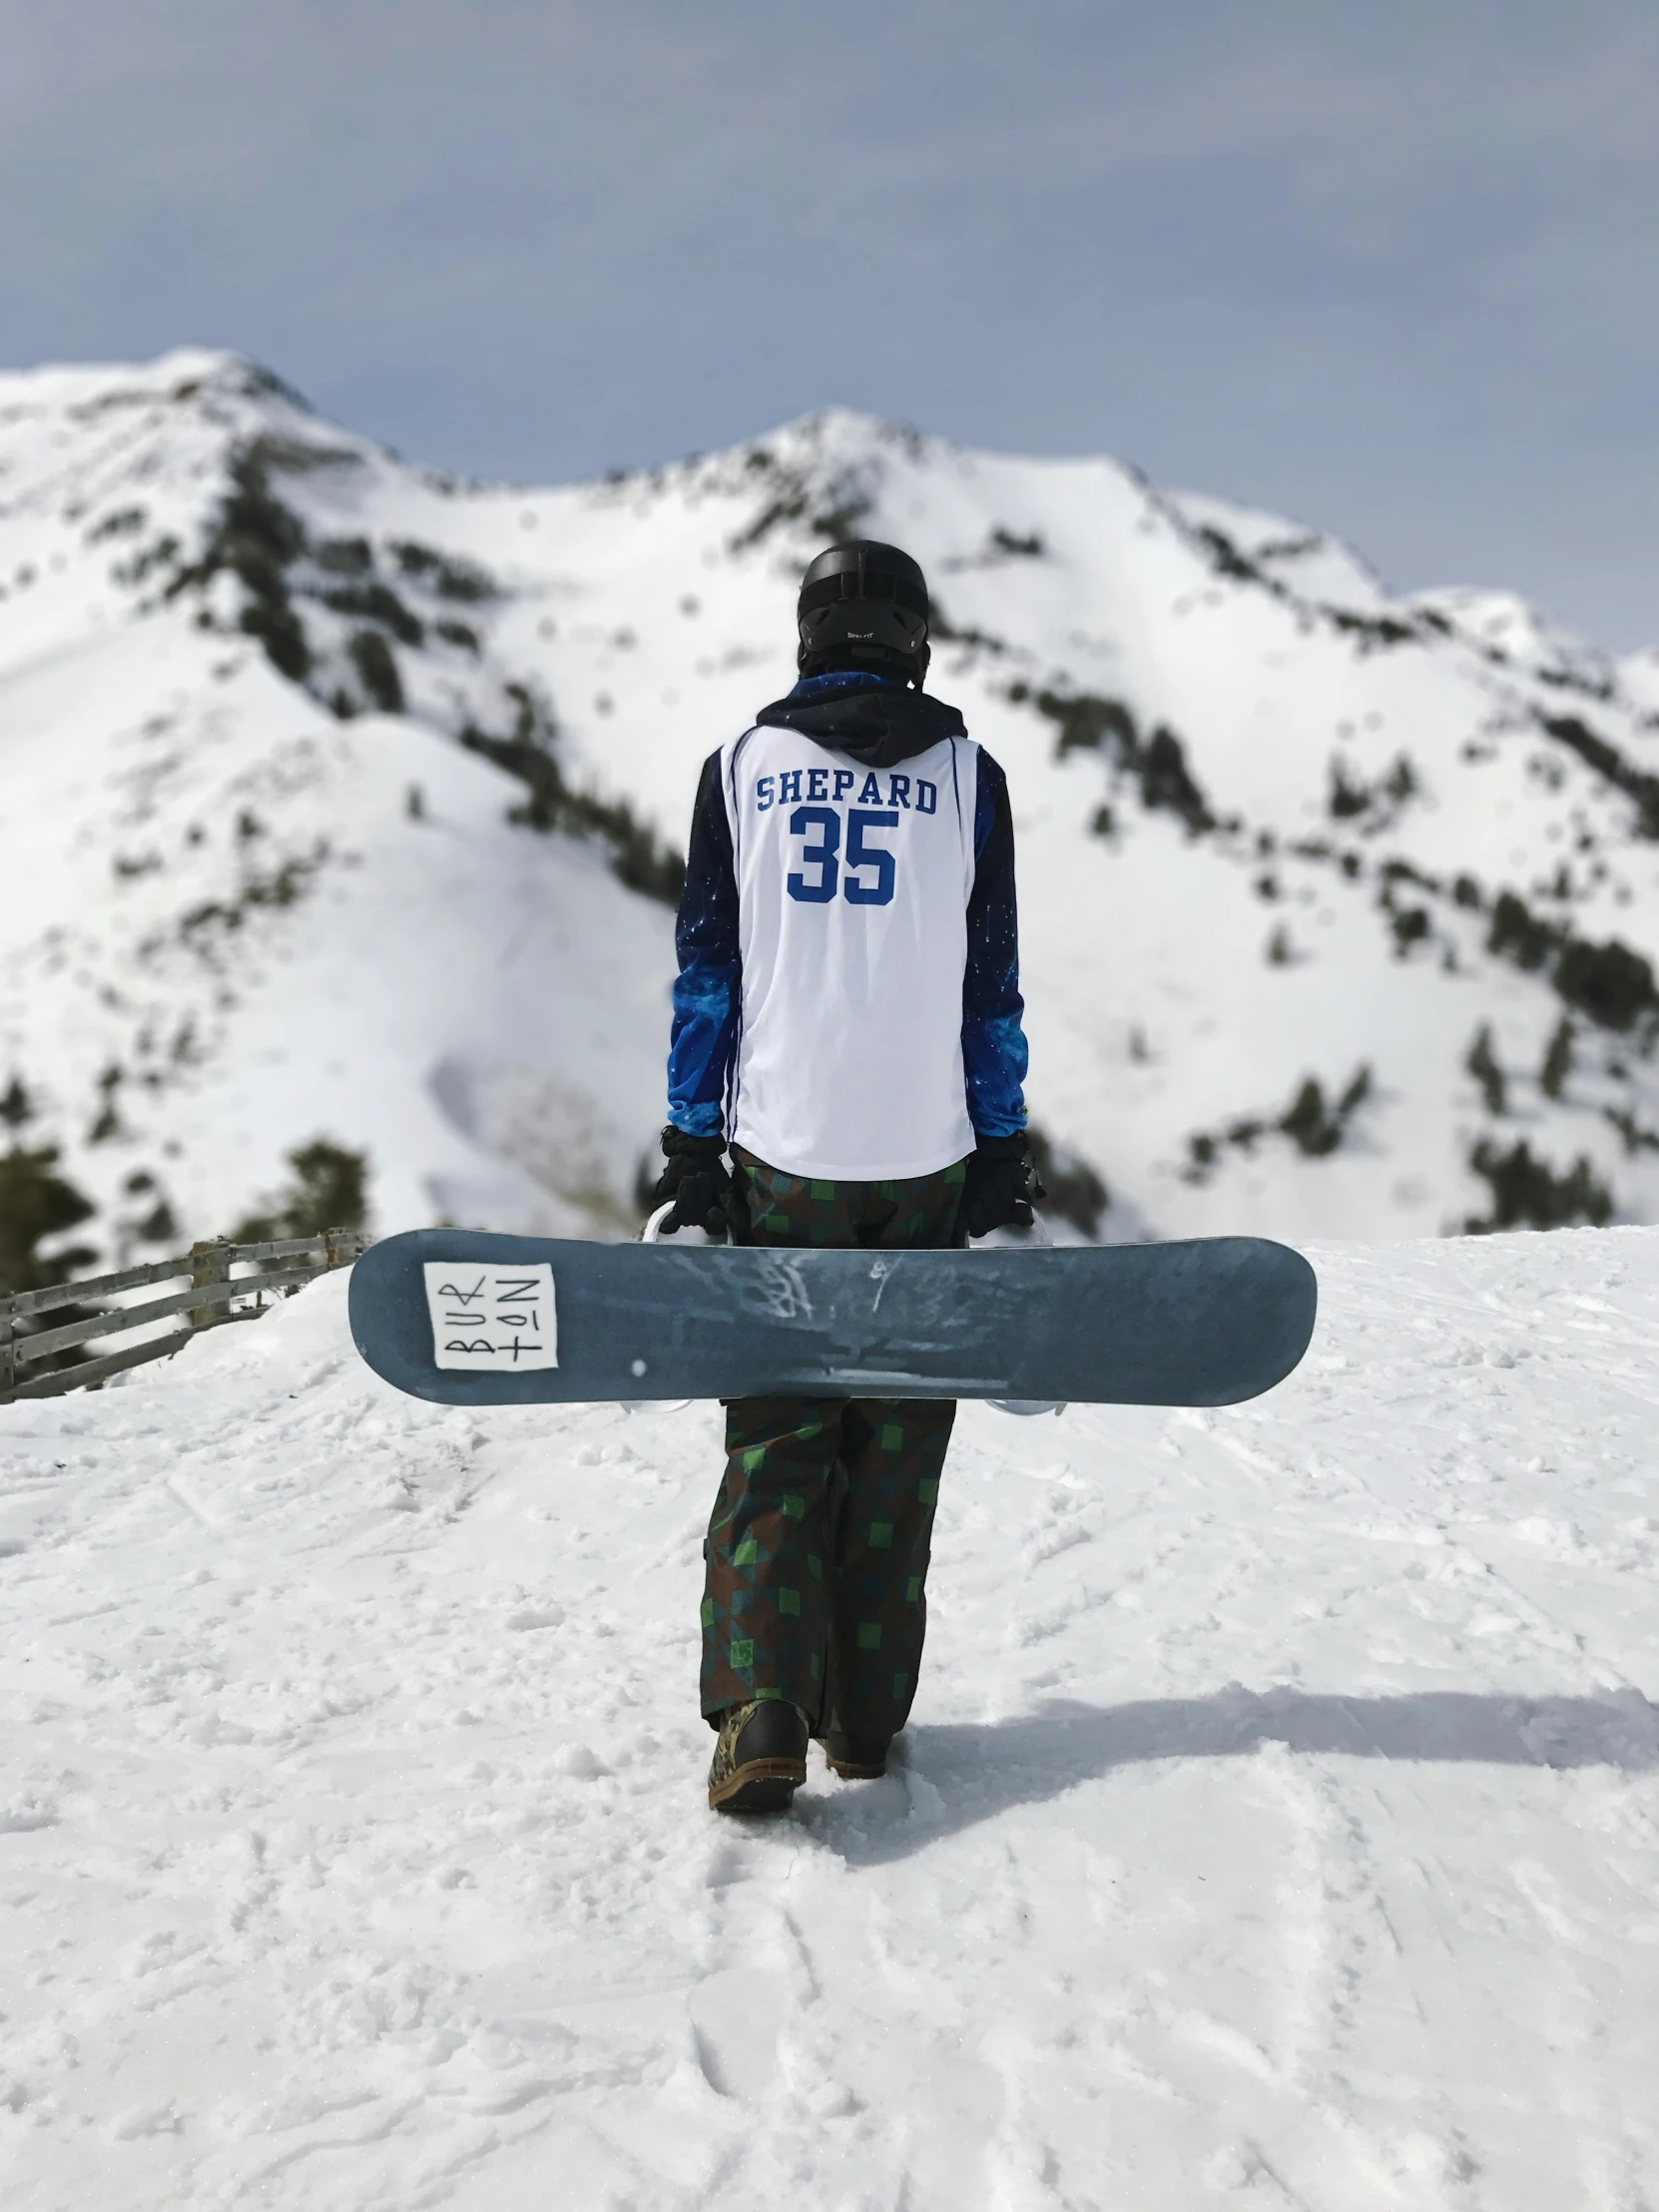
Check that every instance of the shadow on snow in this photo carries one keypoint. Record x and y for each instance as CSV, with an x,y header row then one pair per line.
x,y
972,1771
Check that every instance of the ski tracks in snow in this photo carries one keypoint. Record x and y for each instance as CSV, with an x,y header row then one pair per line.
x,y
1279,1823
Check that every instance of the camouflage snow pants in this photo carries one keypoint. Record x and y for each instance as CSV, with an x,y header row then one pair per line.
x,y
818,1549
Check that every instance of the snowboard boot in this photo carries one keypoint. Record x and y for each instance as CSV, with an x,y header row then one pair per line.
x,y
759,1757
855,1758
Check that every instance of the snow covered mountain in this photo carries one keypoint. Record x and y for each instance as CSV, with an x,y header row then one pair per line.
x,y
340,798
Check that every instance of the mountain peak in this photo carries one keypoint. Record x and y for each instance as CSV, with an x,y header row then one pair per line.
x,y
178,378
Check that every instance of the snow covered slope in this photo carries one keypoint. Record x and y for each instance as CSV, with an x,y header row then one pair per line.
x,y
1340,912
1280,1819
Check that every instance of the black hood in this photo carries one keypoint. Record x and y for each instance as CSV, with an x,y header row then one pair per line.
x,y
879,725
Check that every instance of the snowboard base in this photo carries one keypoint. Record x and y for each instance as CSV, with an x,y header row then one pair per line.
x,y
468,1318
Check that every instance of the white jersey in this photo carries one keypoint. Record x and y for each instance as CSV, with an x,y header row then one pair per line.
x,y
853,894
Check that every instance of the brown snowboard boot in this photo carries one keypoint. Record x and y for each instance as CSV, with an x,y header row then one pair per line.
x,y
759,1757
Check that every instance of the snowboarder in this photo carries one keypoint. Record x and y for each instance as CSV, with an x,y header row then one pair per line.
x,y
848,1024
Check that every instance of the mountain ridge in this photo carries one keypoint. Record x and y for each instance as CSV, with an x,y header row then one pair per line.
x,y
348,796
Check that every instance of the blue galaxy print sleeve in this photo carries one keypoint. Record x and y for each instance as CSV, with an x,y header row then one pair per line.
x,y
995,1055
708,989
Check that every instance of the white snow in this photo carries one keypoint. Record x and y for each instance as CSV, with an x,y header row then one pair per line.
x,y
1281,1816
1280,1820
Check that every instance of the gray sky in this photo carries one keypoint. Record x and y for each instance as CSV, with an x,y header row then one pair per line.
x,y
1387,264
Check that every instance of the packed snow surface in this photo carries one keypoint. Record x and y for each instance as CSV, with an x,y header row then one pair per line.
x,y
1278,1823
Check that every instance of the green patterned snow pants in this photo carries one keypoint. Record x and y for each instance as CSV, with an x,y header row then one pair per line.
x,y
818,1549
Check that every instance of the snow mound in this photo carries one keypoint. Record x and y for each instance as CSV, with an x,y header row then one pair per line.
x,y
1281,1812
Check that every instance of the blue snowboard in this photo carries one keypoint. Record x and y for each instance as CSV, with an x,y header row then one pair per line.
x,y
475,1320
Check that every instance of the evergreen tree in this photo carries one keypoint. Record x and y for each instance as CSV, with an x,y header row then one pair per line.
x,y
329,1191
36,1203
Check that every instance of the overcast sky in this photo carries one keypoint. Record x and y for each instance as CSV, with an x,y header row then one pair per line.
x,y
1388,266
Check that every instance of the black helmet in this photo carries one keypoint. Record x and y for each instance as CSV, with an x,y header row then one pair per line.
x,y
863,605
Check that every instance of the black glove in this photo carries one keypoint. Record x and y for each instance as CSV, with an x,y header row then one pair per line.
x,y
1001,1183
699,1182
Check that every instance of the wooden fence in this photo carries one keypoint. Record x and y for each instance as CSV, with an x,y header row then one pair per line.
x,y
220,1280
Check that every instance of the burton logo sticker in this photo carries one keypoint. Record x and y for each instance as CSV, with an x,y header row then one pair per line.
x,y
498,1319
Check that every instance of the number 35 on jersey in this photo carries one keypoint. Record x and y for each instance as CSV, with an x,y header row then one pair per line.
x,y
842,856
